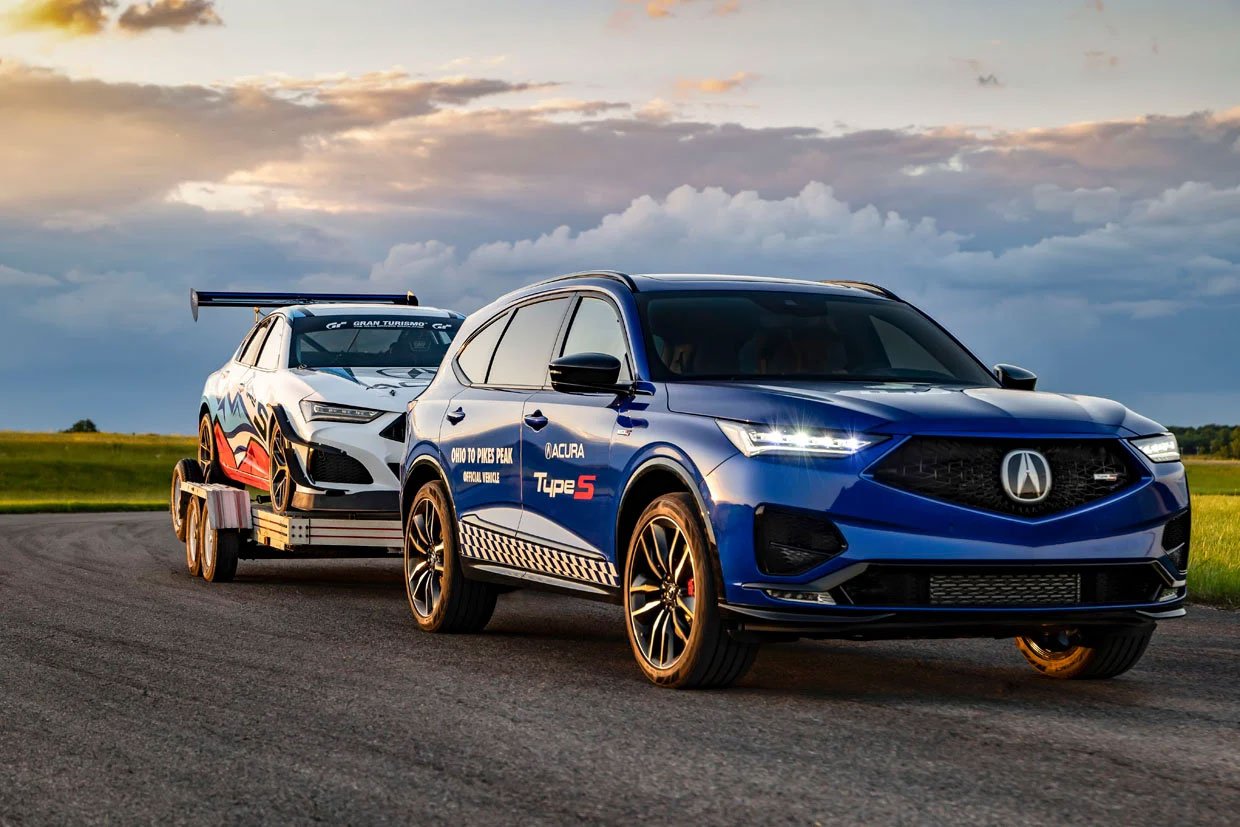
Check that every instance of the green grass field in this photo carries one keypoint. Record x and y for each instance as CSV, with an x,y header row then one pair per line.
x,y
87,472
113,472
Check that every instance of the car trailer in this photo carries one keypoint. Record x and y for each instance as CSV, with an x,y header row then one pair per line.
x,y
220,525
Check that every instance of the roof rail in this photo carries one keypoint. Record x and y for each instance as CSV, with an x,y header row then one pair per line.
x,y
614,275
863,285
203,298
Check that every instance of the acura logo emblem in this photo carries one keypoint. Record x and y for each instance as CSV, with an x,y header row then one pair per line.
x,y
1026,476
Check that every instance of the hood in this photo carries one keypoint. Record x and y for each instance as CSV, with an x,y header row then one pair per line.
x,y
385,389
904,409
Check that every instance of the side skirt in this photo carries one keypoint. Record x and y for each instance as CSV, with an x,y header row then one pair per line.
x,y
488,572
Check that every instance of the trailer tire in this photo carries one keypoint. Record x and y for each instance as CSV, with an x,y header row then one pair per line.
x,y
219,550
193,537
186,470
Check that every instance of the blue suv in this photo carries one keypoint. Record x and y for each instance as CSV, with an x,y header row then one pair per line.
x,y
738,459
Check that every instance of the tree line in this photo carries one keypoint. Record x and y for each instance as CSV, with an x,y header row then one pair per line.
x,y
1215,440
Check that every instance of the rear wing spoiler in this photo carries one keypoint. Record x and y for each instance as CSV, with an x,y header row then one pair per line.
x,y
202,298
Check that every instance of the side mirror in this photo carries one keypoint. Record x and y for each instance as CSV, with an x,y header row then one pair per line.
x,y
589,372
1014,378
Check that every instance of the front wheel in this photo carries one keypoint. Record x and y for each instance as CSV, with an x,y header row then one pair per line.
x,y
441,597
671,601
1089,654
281,485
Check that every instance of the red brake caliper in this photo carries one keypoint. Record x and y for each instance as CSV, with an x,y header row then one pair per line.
x,y
691,590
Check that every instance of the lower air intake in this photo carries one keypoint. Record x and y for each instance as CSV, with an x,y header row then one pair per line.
x,y
340,468
1005,590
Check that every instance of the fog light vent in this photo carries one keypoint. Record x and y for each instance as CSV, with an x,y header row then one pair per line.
x,y
1175,539
791,542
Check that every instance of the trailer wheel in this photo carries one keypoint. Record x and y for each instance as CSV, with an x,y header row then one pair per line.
x,y
218,550
193,537
186,470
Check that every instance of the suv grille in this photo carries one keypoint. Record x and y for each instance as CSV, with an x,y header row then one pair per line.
x,y
967,471
326,467
994,586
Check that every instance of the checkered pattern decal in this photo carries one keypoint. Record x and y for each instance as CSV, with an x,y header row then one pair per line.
x,y
496,547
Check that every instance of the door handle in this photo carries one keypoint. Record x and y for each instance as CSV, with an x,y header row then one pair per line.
x,y
536,421
455,416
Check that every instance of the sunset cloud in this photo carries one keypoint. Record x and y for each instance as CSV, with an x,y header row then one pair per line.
x,y
663,9
169,14
71,17
714,86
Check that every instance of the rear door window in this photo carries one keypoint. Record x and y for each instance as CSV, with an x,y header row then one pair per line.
x,y
521,359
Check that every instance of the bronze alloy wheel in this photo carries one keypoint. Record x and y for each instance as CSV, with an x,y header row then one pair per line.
x,y
206,447
424,559
662,593
671,601
281,477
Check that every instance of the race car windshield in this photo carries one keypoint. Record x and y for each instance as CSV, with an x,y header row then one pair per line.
x,y
370,341
767,334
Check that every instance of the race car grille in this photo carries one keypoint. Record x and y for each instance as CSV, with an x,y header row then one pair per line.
x,y
1003,586
342,468
968,471
396,430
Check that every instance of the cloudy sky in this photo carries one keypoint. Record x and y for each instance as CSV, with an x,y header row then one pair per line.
x,y
1059,182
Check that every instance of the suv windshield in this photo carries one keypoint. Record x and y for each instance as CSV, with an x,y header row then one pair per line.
x,y
369,341
764,334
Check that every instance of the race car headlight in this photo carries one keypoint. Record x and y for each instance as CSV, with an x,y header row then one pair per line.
x,y
752,440
325,411
1160,448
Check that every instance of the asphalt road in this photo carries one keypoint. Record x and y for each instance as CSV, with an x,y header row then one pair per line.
x,y
130,692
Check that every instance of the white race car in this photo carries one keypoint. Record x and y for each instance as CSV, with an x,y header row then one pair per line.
x,y
311,407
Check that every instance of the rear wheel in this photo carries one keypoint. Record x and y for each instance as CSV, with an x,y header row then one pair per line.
x,y
186,470
1087,654
209,457
671,601
441,597
193,537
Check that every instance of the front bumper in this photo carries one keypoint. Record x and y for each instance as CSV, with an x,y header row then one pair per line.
x,y
1104,562
361,451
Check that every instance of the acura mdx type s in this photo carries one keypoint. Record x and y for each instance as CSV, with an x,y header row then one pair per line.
x,y
737,459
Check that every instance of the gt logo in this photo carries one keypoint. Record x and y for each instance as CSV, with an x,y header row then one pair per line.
x,y
334,325
581,488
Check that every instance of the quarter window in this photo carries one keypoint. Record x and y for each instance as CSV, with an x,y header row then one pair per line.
x,y
525,349
475,358
597,329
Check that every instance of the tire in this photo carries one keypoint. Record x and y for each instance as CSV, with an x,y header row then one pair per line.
x,y
280,485
670,585
218,550
441,597
208,456
1091,654
186,470
193,537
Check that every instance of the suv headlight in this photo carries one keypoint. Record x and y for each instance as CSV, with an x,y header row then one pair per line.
x,y
326,411
752,440
1159,448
